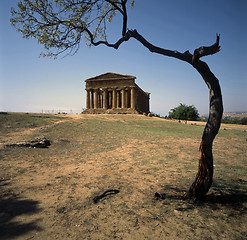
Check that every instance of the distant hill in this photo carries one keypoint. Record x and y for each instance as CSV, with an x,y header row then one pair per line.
x,y
235,114
232,117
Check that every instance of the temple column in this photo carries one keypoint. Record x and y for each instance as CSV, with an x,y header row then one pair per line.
x,y
88,99
132,98
109,99
118,99
127,98
105,98
91,98
99,99
114,98
95,98
123,98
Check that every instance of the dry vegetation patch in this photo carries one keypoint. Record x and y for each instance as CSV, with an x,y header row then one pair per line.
x,y
48,193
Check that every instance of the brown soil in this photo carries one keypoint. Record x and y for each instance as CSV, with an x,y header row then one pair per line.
x,y
48,193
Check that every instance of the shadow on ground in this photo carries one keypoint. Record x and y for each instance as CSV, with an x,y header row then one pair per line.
x,y
12,206
231,197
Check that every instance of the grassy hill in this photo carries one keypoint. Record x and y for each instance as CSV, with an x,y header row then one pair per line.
x,y
48,193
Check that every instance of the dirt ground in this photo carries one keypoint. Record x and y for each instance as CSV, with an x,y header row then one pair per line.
x,y
48,193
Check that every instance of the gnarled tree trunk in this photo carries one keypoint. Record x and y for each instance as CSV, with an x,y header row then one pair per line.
x,y
204,177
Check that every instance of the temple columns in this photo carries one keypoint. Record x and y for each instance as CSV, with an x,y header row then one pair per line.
x,y
123,98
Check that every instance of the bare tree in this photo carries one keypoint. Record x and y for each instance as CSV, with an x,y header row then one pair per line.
x,y
60,26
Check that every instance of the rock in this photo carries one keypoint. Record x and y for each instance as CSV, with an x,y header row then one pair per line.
x,y
40,142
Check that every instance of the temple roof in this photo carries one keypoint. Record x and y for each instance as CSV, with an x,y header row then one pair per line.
x,y
111,76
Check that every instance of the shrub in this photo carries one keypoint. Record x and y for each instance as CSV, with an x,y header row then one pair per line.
x,y
184,112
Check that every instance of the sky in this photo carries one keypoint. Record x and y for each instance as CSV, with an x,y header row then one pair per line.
x,y
29,83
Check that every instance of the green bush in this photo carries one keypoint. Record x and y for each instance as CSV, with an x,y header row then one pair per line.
x,y
184,112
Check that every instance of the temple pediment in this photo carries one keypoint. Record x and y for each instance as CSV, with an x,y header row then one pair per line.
x,y
111,77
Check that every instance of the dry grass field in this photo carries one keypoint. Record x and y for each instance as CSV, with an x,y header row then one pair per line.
x,y
47,193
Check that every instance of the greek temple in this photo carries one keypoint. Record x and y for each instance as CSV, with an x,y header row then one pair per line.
x,y
115,93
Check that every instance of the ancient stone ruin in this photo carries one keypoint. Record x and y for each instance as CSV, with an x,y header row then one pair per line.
x,y
115,93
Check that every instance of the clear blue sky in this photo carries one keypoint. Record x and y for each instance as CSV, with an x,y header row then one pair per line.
x,y
29,83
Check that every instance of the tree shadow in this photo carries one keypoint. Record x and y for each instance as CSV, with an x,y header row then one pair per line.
x,y
232,197
12,206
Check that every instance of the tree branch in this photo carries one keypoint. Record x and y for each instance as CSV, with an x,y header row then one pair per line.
x,y
204,51
123,11
124,29
116,45
115,5
186,56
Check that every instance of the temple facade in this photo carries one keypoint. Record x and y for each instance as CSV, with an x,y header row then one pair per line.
x,y
115,93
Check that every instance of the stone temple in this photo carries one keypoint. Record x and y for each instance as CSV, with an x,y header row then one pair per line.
x,y
115,93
